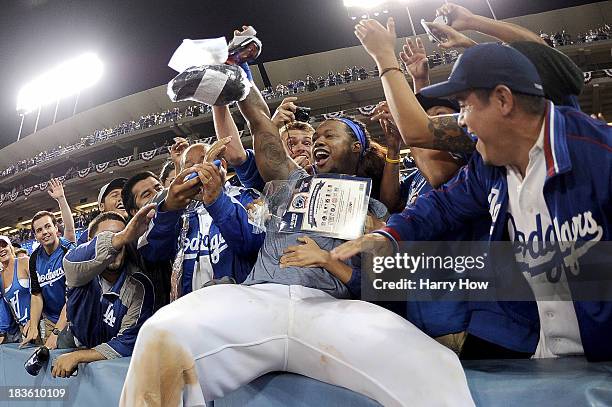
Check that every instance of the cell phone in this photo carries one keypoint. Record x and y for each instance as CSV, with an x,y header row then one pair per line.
x,y
195,174
433,37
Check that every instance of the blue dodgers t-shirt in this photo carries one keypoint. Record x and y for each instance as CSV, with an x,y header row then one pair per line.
x,y
51,280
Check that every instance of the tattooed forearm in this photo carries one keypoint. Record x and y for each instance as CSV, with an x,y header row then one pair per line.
x,y
270,155
449,136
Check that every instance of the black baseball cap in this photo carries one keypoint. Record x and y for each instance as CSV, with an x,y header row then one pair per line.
x,y
486,66
117,183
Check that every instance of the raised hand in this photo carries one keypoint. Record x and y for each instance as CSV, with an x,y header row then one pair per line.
x,y
460,17
56,190
378,41
135,228
285,112
217,149
246,30
393,139
451,38
415,59
182,191
176,151
213,179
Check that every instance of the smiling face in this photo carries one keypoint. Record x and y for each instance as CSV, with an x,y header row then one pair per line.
x,y
335,149
6,252
113,203
144,191
484,119
45,232
298,143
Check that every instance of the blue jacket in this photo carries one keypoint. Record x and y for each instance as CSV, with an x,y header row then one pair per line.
x,y
107,322
220,241
577,191
248,174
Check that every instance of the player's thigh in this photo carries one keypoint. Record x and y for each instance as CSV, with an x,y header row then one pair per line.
x,y
218,316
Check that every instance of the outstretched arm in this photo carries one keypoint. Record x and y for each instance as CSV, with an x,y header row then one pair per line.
x,y
415,126
56,191
225,126
270,155
462,19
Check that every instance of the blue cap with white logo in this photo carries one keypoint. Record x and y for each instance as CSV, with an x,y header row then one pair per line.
x,y
486,66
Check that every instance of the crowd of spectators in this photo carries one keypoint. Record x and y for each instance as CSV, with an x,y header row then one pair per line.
x,y
206,283
562,38
150,120
308,84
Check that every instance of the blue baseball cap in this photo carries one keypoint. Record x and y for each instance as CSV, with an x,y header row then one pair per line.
x,y
486,66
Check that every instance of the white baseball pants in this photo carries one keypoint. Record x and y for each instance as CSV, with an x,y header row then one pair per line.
x,y
219,338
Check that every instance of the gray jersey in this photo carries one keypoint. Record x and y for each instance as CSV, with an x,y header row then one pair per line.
x,y
267,267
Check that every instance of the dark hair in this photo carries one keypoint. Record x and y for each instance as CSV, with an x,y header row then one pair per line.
x,y
372,164
127,196
530,104
165,171
42,214
104,216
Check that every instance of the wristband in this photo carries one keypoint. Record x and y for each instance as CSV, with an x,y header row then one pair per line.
x,y
393,68
392,161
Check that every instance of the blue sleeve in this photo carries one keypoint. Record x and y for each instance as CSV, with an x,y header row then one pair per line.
x,y
84,237
139,311
67,244
354,284
232,219
248,174
460,200
160,240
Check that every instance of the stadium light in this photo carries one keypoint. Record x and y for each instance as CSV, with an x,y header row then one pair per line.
x,y
65,80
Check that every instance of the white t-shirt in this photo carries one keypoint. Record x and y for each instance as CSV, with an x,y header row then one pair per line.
x,y
530,223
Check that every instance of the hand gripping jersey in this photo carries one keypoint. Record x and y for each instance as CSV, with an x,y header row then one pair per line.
x,y
211,242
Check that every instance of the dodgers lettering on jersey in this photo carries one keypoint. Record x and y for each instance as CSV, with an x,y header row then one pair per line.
x,y
50,277
52,280
541,251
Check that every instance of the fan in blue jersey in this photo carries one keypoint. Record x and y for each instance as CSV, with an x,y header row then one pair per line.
x,y
108,297
203,226
539,170
14,293
46,270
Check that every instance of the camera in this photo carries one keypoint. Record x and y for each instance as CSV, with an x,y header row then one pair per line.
x,y
36,362
302,114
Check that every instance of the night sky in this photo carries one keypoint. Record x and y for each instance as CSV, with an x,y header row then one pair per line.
x,y
135,39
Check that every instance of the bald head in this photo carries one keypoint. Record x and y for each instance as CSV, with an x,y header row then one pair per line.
x,y
194,154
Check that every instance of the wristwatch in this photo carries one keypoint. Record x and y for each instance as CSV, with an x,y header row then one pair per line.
x,y
55,331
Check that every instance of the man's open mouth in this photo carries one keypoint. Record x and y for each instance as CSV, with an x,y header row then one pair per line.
x,y
321,156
